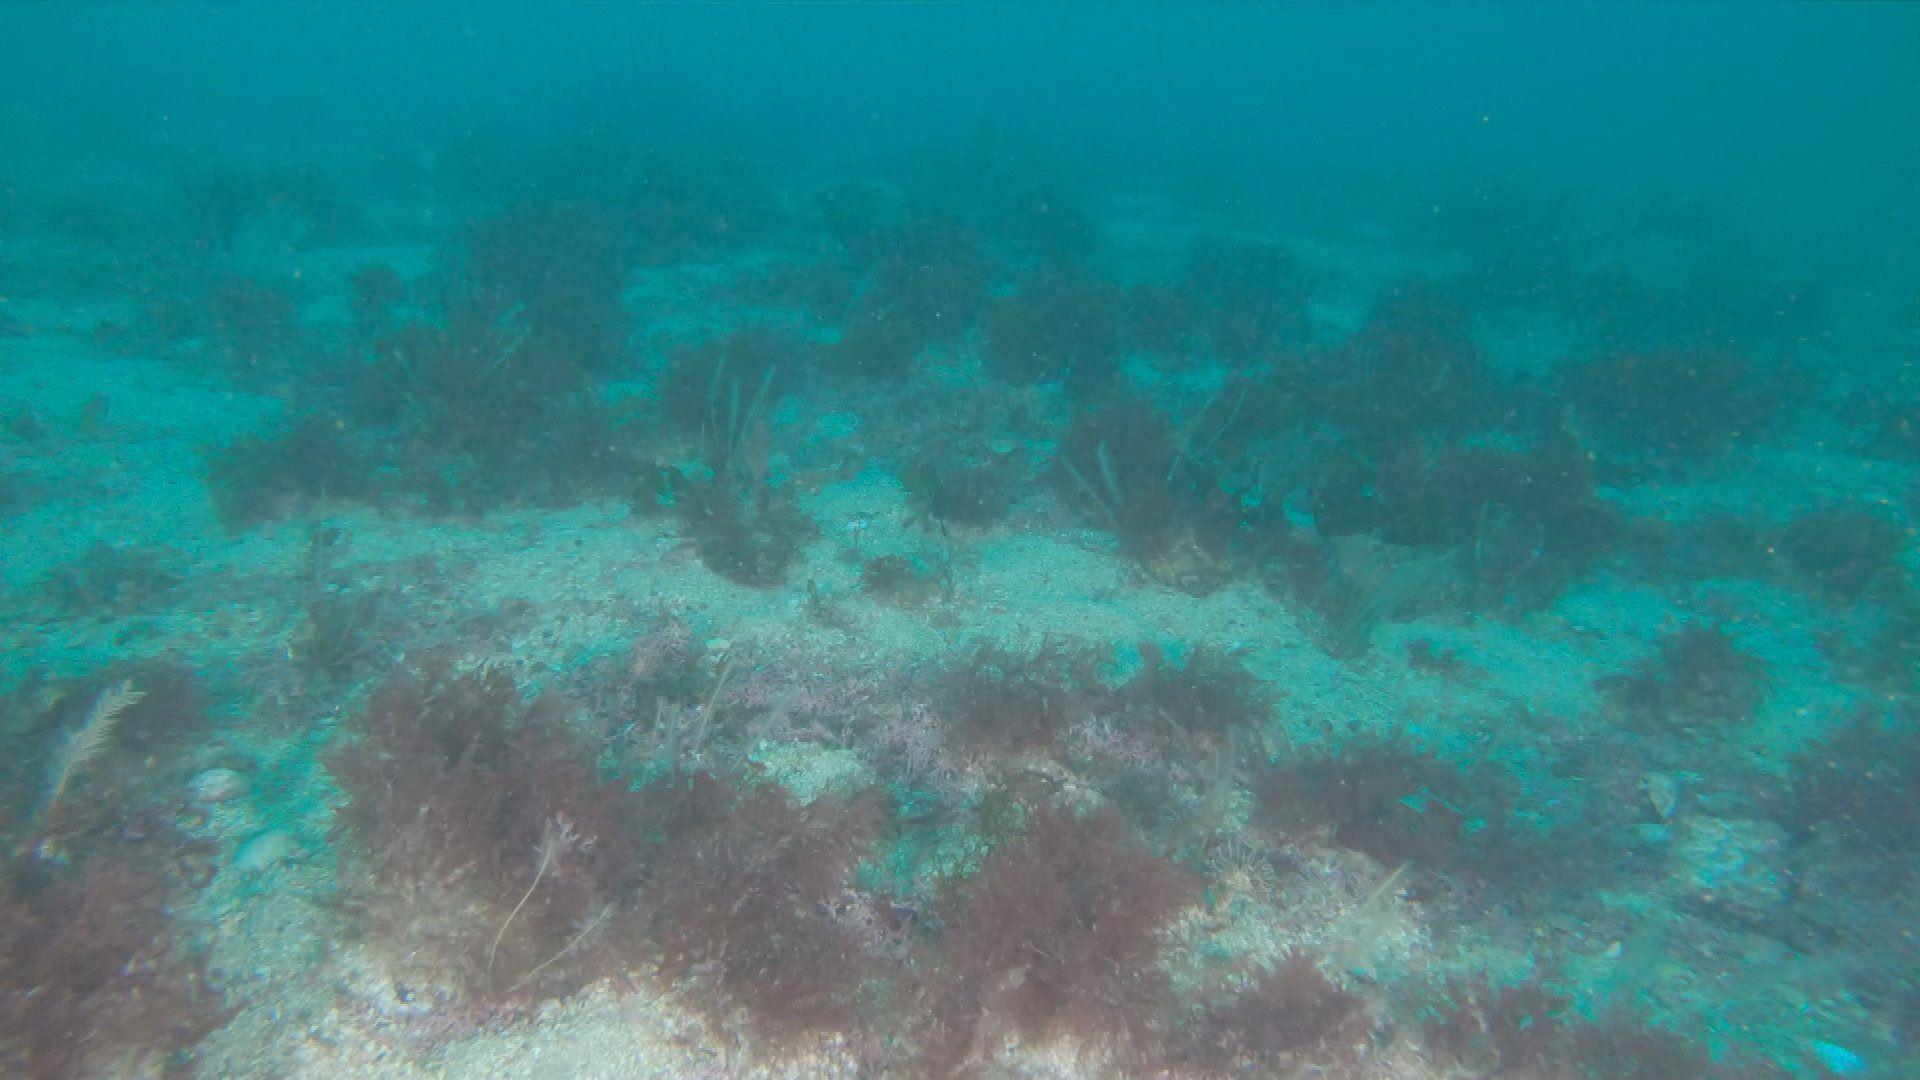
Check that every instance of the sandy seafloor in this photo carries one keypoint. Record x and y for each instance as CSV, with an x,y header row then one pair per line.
x,y
543,592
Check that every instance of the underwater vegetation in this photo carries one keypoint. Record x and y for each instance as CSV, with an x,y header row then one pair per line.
x,y
947,609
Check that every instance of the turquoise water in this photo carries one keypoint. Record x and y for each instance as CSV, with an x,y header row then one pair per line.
x,y
959,541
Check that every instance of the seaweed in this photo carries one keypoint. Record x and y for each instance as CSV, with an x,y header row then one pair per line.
x,y
1127,469
255,324
718,389
485,848
1510,1028
1528,1029
1003,701
110,579
745,530
259,478
1524,523
753,898
1845,553
1209,692
954,489
378,291
342,620
926,282
1396,804
1290,1020
1414,368
746,527
92,983
214,206
904,582
1256,297
1853,785
95,786
1699,682
1059,325
1057,936
1671,408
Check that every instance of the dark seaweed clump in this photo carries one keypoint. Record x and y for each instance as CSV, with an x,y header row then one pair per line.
x,y
477,384
92,982
1699,682
1057,934
488,859
755,900
95,978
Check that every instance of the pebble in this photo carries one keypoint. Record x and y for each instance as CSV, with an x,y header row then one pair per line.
x,y
263,851
219,785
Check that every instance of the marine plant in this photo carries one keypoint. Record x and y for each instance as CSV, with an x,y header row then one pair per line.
x,y
1127,470
1060,325
1058,935
484,851
1394,802
1288,1018
93,980
1699,681
753,900
1677,407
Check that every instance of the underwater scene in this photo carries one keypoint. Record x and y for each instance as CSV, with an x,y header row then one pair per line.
x,y
960,541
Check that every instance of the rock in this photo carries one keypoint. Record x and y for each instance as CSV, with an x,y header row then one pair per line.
x,y
264,851
219,785
1663,792
1732,865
